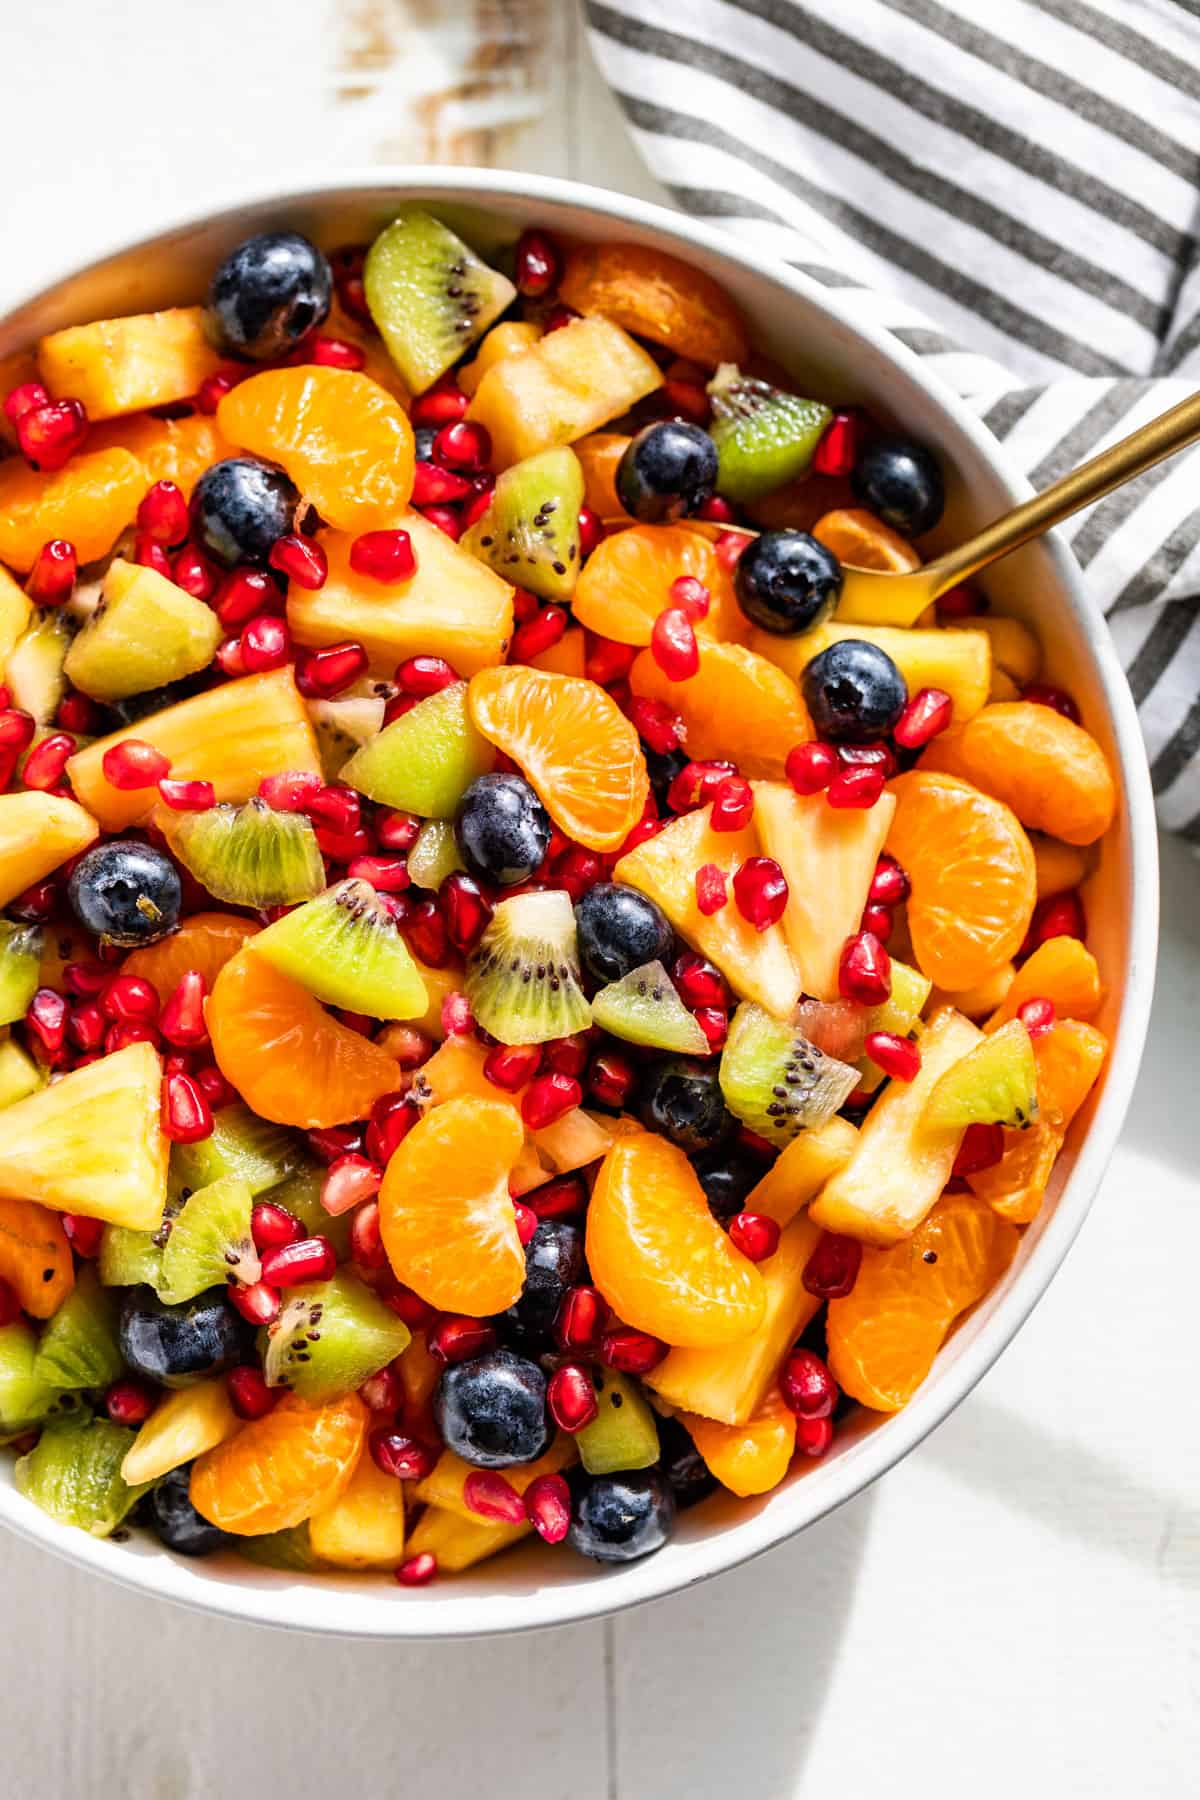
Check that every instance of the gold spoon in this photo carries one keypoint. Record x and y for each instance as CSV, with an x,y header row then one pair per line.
x,y
877,597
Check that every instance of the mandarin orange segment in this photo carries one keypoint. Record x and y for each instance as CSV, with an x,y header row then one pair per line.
x,y
751,1458
573,744
1050,771
206,941
290,1060
857,537
1061,970
1059,866
448,1223
89,502
626,582
1069,1058
738,707
656,296
177,450
345,441
599,453
659,1257
883,1337
974,882
35,1256
276,1472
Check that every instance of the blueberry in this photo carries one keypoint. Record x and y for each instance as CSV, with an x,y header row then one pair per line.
x,y
140,706
240,507
682,1099
617,1518
663,766
423,437
668,469
901,481
854,692
727,1176
170,1513
126,891
787,582
553,1263
270,292
619,929
686,1472
492,1410
502,829
178,1345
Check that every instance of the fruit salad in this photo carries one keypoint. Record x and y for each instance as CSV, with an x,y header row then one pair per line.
x,y
513,1014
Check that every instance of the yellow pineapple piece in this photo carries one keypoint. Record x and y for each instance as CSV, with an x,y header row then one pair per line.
x,y
801,1170
1015,649
508,339
458,1543
145,632
93,1142
182,1426
33,673
127,365
89,502
961,663
38,832
444,1485
19,1074
574,1141
364,1527
15,611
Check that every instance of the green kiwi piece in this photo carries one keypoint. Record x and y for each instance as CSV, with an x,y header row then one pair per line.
x,y
74,1473
25,1396
775,1081
994,1084
248,855
329,1337
79,1347
300,1193
430,295
20,1075
344,725
424,761
33,673
240,1144
290,1550
644,1008
764,435
130,1258
523,979
898,1014
209,1242
145,633
20,959
434,855
624,1434
530,531
347,949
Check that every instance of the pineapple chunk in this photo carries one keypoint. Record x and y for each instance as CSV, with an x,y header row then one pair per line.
x,y
828,855
19,1074
573,1141
730,1383
145,633
93,1142
34,671
231,735
570,382
364,1527
38,832
459,1543
182,1426
960,664
508,339
444,1485
15,610
801,1170
1015,650
756,964
902,1163
454,606
127,365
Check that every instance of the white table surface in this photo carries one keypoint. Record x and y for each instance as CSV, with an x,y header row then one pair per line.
x,y
1016,1609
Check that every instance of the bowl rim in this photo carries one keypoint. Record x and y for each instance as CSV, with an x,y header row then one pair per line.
x,y
326,1607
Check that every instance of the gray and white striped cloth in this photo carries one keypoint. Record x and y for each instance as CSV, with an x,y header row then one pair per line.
x,y
1012,188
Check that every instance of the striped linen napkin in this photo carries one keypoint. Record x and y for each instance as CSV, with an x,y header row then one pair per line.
x,y
1013,191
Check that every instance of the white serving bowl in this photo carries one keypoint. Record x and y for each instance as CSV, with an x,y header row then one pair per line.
x,y
810,331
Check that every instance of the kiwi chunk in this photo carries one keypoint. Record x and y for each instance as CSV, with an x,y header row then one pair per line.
x,y
74,1473
290,1550
434,855
624,1434
329,1337
898,1014
994,1084
145,633
242,1145
248,855
26,1397
764,435
523,979
346,948
777,1082
300,1193
343,726
530,532
644,1008
20,1075
209,1242
424,761
430,295
20,960
130,1258
79,1347
33,673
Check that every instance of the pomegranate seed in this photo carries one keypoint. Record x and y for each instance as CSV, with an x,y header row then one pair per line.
x,y
839,444
571,1398
384,556
404,1303
335,353
1042,694
128,997
714,1023
673,644
339,808
425,675
511,1066
632,1352
1037,1016
874,756
410,1046
755,1235
228,658
135,1031
457,1018
611,1078
897,1056
760,891
647,828
808,1388
981,1148
292,792
548,1508
392,1118
813,1436
475,509
320,674
441,404
859,787
301,559
487,1493
927,713
133,764
437,486
832,1269
83,1234
537,264
686,400
567,1055
729,548
426,932
395,1453
86,1026
163,514
655,723
16,732
37,904
540,633
580,1317
591,531
577,870
397,830
608,661
465,909
79,715
527,1221
309,1259
85,979
366,1237
696,783
557,317
243,594
187,1116
559,1199
349,1179
10,1306
864,970
1061,915
129,1403
889,884
811,767
698,982
46,1019
417,1571
50,433
213,389
732,805
456,1339
463,445
46,761
187,796
272,1225
27,397
249,1395
711,893
52,578
547,1098
959,603
879,921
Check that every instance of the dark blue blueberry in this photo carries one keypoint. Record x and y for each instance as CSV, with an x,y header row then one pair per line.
x,y
270,292
854,692
169,1512
177,1345
491,1411
502,829
140,706
687,1474
681,1098
553,1263
617,1518
787,582
126,891
668,469
240,507
727,1176
663,766
901,481
423,436
619,929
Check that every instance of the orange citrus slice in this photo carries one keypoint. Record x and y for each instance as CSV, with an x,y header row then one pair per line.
x,y
738,708
857,537
1052,772
276,1472
751,1458
656,296
1069,1057
206,941
626,582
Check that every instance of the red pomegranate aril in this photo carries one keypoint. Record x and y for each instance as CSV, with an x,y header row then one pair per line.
x,y
439,405
567,1055
897,1056
475,508
213,389
133,764
696,783
511,1066
366,1237
858,787
698,982
228,658
889,884
456,1338
427,937
487,1493
457,1018
463,445
686,400
418,1571
577,870
557,317
1037,1015
711,892
129,1402
335,353
1060,915
1041,693
571,1398
46,1019
151,555
79,715
813,1436
755,1235
864,970
839,444
26,397
537,265
655,723
527,1221
83,1234
389,874
10,1306
163,514
673,644
525,605
38,903
340,808
321,674
632,1352
561,1198
832,1269
548,1098
52,578
446,519
425,675
186,1114
86,1026
290,792
591,532
580,1318
85,979
16,731
927,714
404,1303
760,891
182,1020
732,804
435,485
808,1388
981,1148
272,1225
608,661
249,1395
959,603
46,762
538,634
187,796
395,1453
548,1508
465,909
349,1180
397,830
874,756
714,1023
244,593
878,920
410,1046
611,1078
692,596
811,767
309,1259
384,556
51,433
126,997
301,559
135,1031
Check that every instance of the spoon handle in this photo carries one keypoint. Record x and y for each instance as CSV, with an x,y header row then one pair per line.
x,y
1171,431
